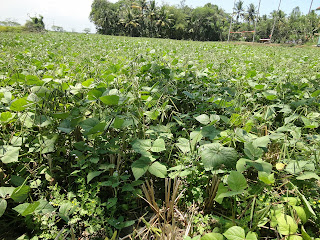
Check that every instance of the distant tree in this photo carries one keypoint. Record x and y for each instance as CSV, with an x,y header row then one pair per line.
x,y
9,23
87,30
35,24
250,14
57,28
239,9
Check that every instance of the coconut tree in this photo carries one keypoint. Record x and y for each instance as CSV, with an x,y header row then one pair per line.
x,y
239,9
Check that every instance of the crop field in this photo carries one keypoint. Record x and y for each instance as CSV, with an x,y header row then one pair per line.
x,y
135,138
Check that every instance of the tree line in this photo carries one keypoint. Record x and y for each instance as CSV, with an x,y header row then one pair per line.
x,y
143,18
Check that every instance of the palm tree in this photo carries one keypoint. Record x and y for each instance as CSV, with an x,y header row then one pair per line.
x,y
251,13
239,9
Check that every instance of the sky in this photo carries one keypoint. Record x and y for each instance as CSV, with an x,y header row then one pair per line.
x,y
73,15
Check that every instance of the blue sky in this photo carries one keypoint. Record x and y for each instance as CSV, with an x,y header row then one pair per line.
x,y
73,14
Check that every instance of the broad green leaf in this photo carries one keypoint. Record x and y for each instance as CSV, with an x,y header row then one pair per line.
x,y
221,189
261,142
99,128
235,233
6,191
94,94
5,116
111,202
236,181
19,105
301,213
210,132
89,123
184,145
266,178
221,196
243,164
48,143
251,236
286,225
20,193
142,146
44,207
252,152
212,236
203,118
304,234
21,207
118,122
308,175
110,100
3,206
195,137
140,167
294,237
214,155
88,82
92,175
30,209
158,169
316,93
9,154
158,145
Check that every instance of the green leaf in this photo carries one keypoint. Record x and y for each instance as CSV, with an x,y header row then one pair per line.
x,y
212,236
5,116
221,189
304,234
308,175
251,236
235,233
158,169
203,118
251,151
92,175
316,93
118,122
210,132
294,237
30,209
266,178
304,200
6,192
261,142
184,145
140,167
19,105
111,202
158,145
142,146
227,194
99,128
48,143
195,137
3,206
214,155
9,154
20,193
110,100
236,181
286,225
89,123
301,213
21,207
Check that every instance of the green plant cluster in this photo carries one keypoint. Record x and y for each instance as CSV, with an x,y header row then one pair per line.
x,y
86,119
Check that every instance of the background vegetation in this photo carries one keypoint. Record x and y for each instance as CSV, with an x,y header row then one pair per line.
x,y
208,23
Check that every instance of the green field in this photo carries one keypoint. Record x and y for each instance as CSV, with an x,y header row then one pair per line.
x,y
94,127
